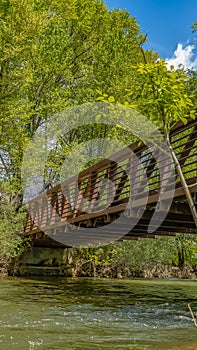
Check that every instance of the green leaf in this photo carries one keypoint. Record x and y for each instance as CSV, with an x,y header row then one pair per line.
x,y
99,92
184,120
193,114
111,99
100,98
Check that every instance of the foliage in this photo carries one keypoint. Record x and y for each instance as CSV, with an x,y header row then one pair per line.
x,y
11,223
147,253
145,257
186,246
89,261
55,55
161,94
192,86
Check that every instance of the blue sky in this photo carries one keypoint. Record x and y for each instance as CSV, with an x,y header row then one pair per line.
x,y
168,25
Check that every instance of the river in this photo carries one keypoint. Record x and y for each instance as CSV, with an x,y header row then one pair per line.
x,y
97,314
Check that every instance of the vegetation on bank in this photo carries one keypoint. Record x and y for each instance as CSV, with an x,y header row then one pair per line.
x,y
61,54
11,224
163,257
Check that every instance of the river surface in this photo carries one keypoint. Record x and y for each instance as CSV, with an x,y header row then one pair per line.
x,y
97,314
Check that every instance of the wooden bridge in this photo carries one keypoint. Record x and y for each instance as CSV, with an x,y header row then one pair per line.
x,y
121,198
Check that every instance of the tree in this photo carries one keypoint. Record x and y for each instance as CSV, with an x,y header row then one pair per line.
x,y
53,56
162,95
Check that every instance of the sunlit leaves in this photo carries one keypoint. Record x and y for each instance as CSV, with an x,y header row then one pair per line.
x,y
161,94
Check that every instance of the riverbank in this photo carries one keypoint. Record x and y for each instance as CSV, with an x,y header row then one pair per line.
x,y
164,257
84,268
88,269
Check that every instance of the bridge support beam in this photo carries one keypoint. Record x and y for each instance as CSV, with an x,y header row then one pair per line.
x,y
42,261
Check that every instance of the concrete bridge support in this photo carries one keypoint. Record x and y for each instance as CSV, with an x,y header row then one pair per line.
x,y
42,261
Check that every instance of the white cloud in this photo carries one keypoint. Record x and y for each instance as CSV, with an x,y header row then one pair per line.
x,y
183,56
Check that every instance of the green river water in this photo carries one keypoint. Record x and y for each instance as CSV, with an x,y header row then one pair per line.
x,y
97,314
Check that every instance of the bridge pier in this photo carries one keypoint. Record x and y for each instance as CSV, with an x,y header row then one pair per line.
x,y
43,261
